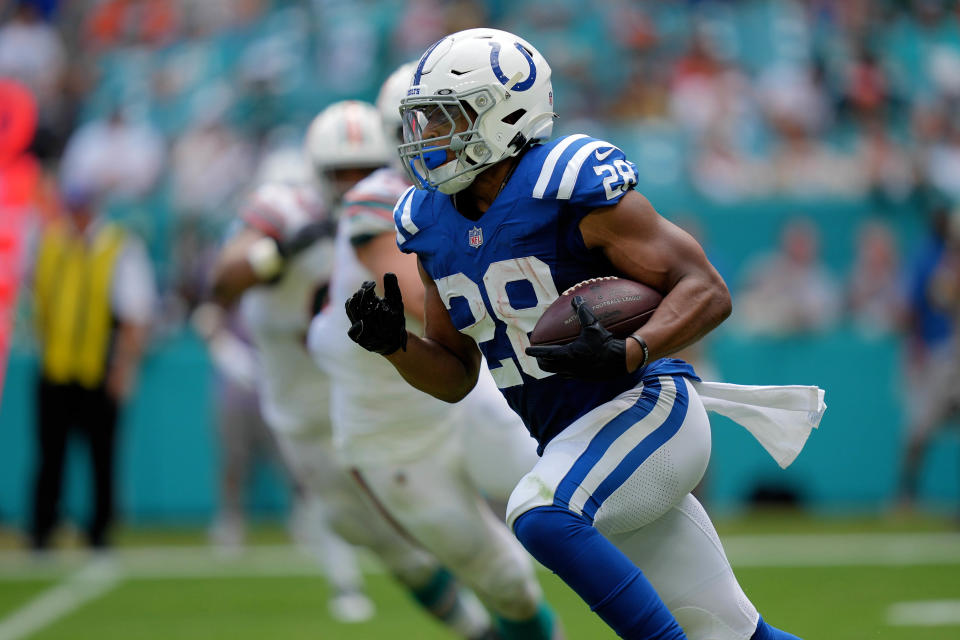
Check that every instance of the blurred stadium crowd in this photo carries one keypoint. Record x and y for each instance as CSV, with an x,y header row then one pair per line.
x,y
162,111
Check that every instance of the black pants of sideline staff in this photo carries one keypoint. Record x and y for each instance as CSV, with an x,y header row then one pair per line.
x,y
62,408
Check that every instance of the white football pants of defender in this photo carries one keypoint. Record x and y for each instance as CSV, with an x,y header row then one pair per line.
x,y
651,516
436,501
337,501
497,448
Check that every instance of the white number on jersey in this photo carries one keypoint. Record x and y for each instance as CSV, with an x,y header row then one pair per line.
x,y
519,322
626,172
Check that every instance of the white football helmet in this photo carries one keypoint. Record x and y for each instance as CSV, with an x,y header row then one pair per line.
x,y
476,97
394,90
347,135
286,165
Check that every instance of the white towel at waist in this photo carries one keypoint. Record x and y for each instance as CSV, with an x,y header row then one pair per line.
x,y
780,418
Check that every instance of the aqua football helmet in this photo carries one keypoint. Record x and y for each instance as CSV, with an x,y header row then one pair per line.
x,y
476,97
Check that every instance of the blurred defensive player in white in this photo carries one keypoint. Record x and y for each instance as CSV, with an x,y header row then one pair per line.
x,y
277,265
404,445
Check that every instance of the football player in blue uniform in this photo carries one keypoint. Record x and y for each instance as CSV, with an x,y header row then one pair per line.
x,y
502,219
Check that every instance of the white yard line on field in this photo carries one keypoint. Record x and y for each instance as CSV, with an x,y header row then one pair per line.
x,y
773,551
838,550
98,577
924,613
173,562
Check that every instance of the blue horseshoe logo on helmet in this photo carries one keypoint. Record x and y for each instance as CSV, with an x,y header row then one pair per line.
x,y
498,72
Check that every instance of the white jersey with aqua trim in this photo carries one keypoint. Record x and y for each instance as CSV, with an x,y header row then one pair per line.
x,y
292,389
377,416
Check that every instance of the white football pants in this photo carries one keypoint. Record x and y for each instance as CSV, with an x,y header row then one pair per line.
x,y
435,500
337,501
647,510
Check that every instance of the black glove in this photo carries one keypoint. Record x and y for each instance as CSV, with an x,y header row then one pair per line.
x,y
305,237
378,324
595,355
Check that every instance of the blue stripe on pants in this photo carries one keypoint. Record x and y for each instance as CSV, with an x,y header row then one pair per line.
x,y
605,437
642,451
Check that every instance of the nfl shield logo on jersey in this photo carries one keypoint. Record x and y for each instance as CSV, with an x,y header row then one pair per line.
x,y
475,236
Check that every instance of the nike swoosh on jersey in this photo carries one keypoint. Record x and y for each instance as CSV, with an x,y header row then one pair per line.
x,y
603,156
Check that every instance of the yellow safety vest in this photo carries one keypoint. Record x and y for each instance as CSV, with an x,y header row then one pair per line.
x,y
72,290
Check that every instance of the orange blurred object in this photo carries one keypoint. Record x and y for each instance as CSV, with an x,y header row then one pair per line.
x,y
139,21
19,177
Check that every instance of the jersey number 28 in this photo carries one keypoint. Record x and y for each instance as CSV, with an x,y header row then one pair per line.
x,y
519,322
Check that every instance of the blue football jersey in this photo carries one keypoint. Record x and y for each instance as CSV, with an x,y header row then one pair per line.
x,y
498,274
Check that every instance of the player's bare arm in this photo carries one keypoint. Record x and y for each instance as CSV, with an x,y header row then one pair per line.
x,y
252,257
647,248
233,272
444,362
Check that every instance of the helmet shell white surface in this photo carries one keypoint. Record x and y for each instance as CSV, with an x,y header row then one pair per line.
x,y
348,135
498,76
394,90
285,164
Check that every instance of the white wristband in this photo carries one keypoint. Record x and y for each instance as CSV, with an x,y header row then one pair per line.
x,y
264,258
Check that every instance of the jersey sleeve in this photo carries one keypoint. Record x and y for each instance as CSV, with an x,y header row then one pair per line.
x,y
585,172
366,216
280,210
408,221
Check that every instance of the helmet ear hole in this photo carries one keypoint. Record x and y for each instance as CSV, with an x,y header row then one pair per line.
x,y
513,117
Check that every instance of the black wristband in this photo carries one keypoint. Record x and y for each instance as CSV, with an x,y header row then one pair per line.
x,y
643,346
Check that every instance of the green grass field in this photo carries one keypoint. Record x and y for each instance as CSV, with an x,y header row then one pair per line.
x,y
832,580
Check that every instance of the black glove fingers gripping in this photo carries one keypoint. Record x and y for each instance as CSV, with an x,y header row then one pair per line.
x,y
595,354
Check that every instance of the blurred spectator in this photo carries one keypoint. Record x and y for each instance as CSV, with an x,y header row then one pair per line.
x,y
243,435
631,25
806,167
421,24
643,96
32,52
132,22
790,291
866,92
794,98
708,94
210,164
724,173
943,162
114,157
206,17
933,365
875,297
887,167
94,298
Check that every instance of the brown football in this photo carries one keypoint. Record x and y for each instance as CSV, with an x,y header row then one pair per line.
x,y
622,306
